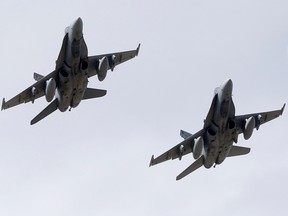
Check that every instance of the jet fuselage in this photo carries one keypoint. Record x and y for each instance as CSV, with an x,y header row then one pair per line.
x,y
66,86
220,134
214,142
73,75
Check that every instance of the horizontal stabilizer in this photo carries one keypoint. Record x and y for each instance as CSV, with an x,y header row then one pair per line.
x,y
93,93
197,164
237,151
185,134
47,111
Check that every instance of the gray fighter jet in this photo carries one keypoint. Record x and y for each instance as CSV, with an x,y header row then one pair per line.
x,y
212,144
68,82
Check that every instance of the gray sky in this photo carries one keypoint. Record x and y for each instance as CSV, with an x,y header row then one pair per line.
x,y
94,160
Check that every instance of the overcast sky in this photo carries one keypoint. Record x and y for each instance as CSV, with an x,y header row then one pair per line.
x,y
94,160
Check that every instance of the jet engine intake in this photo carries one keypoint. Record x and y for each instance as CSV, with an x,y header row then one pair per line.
x,y
198,147
64,74
231,124
84,65
102,68
249,127
50,89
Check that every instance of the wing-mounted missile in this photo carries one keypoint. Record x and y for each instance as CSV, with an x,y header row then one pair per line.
x,y
112,62
198,147
50,89
258,122
102,68
249,127
180,151
33,93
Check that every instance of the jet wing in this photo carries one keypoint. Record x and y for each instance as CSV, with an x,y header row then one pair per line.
x,y
260,118
114,59
175,152
33,92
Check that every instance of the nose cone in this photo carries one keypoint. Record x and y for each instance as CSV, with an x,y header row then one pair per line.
x,y
79,23
227,88
77,29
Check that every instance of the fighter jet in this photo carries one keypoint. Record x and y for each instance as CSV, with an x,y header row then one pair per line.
x,y
212,144
67,84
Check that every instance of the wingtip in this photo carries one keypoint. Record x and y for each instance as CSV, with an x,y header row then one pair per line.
x,y
3,104
283,108
151,161
138,48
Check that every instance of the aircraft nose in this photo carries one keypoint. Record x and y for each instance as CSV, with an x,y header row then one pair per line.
x,y
227,87
77,28
79,22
